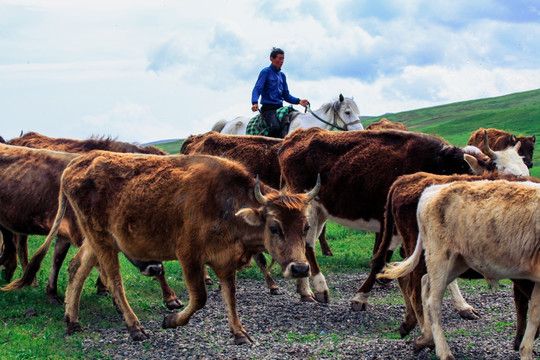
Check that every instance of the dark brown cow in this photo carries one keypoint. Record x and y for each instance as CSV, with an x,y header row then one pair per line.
x,y
28,193
357,169
39,141
259,155
197,209
400,216
500,140
385,124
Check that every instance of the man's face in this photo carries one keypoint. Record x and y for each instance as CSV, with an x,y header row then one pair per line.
x,y
278,60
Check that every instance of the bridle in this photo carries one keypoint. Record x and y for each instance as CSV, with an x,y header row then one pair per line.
x,y
334,125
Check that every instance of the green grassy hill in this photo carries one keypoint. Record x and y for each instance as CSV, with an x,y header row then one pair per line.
x,y
517,113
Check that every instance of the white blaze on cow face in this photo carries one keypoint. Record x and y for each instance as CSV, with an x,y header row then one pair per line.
x,y
510,162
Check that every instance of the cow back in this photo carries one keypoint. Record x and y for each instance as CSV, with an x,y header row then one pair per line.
x,y
257,153
38,141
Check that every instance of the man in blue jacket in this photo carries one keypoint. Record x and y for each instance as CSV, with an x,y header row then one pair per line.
x,y
272,87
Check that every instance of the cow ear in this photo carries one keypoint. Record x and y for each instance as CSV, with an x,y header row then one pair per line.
x,y
474,164
251,216
513,140
533,138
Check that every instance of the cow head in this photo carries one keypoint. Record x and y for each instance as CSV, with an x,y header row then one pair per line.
x,y
284,218
527,148
507,161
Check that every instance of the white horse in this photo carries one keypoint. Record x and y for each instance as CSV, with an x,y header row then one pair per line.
x,y
342,114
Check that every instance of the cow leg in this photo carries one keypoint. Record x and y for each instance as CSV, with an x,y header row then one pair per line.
x,y
110,266
410,317
228,290
171,300
465,310
194,278
325,248
207,279
526,347
322,293
78,270
61,248
426,337
21,244
260,260
8,259
522,294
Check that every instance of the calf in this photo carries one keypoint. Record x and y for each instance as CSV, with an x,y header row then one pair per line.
x,y
459,223
400,216
259,155
357,169
500,140
197,209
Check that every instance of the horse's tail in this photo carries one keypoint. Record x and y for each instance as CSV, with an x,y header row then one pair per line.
x,y
219,125
398,269
34,264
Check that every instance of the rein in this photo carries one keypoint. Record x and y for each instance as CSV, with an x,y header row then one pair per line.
x,y
308,108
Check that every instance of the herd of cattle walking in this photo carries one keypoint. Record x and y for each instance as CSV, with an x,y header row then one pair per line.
x,y
456,212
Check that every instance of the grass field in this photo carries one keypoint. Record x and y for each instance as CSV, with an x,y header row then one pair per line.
x,y
30,328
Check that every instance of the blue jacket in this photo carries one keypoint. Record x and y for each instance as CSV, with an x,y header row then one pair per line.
x,y
272,87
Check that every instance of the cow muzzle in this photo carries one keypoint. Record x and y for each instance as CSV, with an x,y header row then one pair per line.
x,y
296,270
153,270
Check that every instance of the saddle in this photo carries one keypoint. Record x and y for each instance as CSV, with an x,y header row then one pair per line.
x,y
258,126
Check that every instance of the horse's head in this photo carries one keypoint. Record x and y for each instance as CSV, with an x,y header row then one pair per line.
x,y
348,115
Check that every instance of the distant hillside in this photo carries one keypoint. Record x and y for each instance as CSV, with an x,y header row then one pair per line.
x,y
517,113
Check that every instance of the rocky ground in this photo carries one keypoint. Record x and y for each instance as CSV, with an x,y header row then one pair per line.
x,y
285,328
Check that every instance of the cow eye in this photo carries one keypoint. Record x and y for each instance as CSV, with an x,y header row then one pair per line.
x,y
275,230
306,228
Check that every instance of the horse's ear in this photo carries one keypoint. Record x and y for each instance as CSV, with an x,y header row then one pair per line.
x,y
341,98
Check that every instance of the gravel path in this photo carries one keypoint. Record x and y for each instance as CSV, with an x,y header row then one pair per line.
x,y
285,328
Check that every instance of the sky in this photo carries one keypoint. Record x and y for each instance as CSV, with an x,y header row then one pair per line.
x,y
143,71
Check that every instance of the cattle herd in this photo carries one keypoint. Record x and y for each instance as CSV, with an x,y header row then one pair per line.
x,y
468,212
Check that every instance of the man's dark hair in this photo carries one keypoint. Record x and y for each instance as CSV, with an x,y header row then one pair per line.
x,y
275,52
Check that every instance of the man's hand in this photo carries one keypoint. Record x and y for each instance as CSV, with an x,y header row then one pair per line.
x,y
255,107
304,102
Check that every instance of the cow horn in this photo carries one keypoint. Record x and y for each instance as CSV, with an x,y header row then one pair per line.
x,y
486,149
258,194
313,192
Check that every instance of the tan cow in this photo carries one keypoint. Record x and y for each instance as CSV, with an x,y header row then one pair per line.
x,y
196,209
384,124
500,140
492,227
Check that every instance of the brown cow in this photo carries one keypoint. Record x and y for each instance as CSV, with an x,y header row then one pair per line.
x,y
400,214
458,225
385,124
259,155
197,209
500,140
357,169
28,192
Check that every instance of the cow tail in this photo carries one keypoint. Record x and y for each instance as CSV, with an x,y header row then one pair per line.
x,y
34,264
379,260
398,269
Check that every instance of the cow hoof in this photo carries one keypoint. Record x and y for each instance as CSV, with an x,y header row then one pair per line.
x,y
102,292
137,333
208,281
469,314
322,297
73,327
168,321
358,306
307,298
517,342
403,331
420,343
241,340
275,292
383,282
174,304
55,300
328,253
